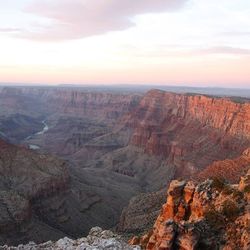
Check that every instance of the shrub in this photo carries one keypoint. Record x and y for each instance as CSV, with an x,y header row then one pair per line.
x,y
230,210
227,189
218,183
237,195
214,218
247,189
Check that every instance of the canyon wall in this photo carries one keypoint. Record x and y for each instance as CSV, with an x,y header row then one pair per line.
x,y
219,113
93,105
190,131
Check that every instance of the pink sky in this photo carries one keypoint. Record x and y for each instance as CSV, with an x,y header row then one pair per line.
x,y
174,42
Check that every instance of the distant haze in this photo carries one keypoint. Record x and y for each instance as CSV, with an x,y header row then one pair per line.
x,y
125,88
161,42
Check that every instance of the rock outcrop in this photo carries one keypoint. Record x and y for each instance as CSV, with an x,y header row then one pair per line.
x,y
97,239
142,210
209,215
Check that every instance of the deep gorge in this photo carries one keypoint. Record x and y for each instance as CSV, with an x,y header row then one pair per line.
x,y
113,147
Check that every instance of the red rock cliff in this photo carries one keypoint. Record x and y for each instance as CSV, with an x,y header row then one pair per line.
x,y
191,131
210,215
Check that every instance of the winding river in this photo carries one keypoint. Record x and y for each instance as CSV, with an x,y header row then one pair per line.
x,y
44,130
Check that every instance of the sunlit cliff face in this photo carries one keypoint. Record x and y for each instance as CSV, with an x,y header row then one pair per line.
x,y
194,42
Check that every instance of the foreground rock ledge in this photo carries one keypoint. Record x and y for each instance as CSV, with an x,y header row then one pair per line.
x,y
97,239
209,216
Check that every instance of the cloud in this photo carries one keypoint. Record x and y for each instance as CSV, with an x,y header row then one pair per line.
x,y
176,51
225,50
236,33
9,30
82,18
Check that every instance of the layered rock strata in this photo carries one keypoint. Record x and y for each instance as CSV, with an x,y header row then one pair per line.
x,y
189,131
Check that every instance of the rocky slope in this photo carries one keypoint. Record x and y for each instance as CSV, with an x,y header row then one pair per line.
x,y
40,199
229,169
97,239
209,215
141,213
27,179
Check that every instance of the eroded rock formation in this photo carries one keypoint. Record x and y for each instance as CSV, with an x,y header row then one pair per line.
x,y
209,215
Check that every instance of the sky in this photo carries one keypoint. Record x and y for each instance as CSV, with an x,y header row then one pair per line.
x,y
172,42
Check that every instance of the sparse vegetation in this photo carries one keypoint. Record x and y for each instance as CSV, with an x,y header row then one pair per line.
x,y
227,189
247,189
218,183
240,100
237,195
214,218
230,210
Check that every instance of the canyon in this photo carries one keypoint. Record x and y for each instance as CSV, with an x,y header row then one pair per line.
x,y
106,159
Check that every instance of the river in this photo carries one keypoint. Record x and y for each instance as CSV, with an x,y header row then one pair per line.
x,y
44,130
